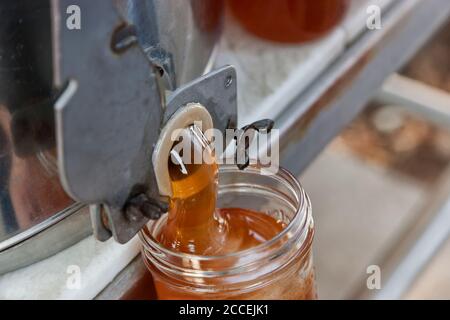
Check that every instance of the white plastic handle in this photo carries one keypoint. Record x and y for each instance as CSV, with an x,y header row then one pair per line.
x,y
183,118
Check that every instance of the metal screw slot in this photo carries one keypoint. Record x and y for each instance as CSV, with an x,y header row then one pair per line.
x,y
123,38
228,81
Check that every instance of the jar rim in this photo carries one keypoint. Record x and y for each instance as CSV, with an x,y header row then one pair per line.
x,y
300,219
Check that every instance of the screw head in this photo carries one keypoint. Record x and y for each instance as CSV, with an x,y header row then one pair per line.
x,y
142,205
228,81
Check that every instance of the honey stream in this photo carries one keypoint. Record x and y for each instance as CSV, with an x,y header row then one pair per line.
x,y
195,225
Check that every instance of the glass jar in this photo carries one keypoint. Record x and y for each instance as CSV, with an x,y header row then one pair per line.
x,y
289,21
280,268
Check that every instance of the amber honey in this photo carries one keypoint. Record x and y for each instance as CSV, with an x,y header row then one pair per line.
x,y
203,246
194,224
289,21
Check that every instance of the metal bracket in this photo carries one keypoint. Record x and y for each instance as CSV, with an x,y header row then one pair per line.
x,y
108,117
110,114
217,91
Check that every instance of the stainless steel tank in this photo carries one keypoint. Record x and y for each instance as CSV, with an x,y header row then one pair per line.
x,y
37,217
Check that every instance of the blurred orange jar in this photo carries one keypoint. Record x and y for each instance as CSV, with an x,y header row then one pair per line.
x,y
289,21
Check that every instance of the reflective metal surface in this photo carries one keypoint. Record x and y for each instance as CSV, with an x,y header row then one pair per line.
x,y
30,191
54,234
178,37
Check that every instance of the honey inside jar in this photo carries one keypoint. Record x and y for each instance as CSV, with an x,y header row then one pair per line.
x,y
196,226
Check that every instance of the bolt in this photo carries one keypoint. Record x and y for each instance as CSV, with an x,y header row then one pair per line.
x,y
142,205
160,71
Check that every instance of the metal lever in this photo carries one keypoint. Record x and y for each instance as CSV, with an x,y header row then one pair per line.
x,y
245,136
110,115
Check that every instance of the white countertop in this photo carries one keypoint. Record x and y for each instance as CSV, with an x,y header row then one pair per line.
x,y
57,277
269,77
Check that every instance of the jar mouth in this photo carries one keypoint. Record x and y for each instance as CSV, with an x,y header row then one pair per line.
x,y
296,229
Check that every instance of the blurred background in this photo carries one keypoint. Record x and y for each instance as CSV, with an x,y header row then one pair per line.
x,y
375,161
372,184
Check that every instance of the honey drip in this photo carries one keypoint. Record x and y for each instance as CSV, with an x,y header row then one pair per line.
x,y
196,226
